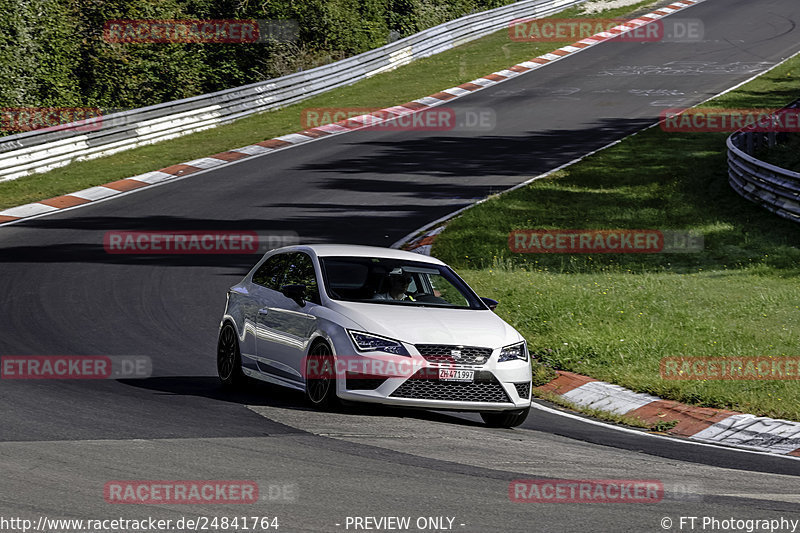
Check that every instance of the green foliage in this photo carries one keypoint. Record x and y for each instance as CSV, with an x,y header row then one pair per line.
x,y
38,53
541,373
664,426
129,75
54,51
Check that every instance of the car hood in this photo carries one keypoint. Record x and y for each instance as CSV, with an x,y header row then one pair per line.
x,y
428,325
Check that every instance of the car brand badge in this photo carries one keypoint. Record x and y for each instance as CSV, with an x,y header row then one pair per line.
x,y
456,354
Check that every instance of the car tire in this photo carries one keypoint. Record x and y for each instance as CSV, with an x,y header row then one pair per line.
x,y
505,419
229,358
320,376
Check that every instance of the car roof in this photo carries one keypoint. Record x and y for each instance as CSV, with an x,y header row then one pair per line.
x,y
353,250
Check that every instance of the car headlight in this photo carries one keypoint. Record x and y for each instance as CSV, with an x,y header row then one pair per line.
x,y
515,351
367,342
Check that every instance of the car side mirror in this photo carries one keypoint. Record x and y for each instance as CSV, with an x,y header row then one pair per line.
x,y
491,304
296,292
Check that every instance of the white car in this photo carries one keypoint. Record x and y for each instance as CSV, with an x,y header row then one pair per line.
x,y
359,323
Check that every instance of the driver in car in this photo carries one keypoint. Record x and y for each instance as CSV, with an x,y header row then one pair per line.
x,y
398,285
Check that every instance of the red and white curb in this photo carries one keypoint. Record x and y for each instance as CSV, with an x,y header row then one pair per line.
x,y
703,424
422,244
123,186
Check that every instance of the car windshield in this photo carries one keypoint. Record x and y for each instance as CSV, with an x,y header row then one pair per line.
x,y
396,282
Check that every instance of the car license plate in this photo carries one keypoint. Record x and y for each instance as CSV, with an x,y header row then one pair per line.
x,y
446,374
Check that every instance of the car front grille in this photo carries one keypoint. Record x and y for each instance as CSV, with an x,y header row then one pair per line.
x,y
465,355
523,389
485,388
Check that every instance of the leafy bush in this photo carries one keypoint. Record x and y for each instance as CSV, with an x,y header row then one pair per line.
x,y
54,51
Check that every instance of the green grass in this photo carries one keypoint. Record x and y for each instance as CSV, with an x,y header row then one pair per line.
x,y
615,316
420,78
617,326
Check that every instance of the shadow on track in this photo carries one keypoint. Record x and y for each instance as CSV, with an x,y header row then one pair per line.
x,y
258,393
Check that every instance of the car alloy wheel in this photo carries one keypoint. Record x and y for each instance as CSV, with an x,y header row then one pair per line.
x,y
229,359
321,377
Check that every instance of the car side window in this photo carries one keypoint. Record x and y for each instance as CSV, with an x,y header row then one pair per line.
x,y
270,274
300,270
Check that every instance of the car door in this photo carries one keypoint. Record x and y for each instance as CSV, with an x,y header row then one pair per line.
x,y
284,326
263,294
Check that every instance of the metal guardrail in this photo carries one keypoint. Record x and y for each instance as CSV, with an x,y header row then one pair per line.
x,y
771,187
32,152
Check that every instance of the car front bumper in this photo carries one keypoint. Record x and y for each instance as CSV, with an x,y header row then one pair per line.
x,y
495,387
